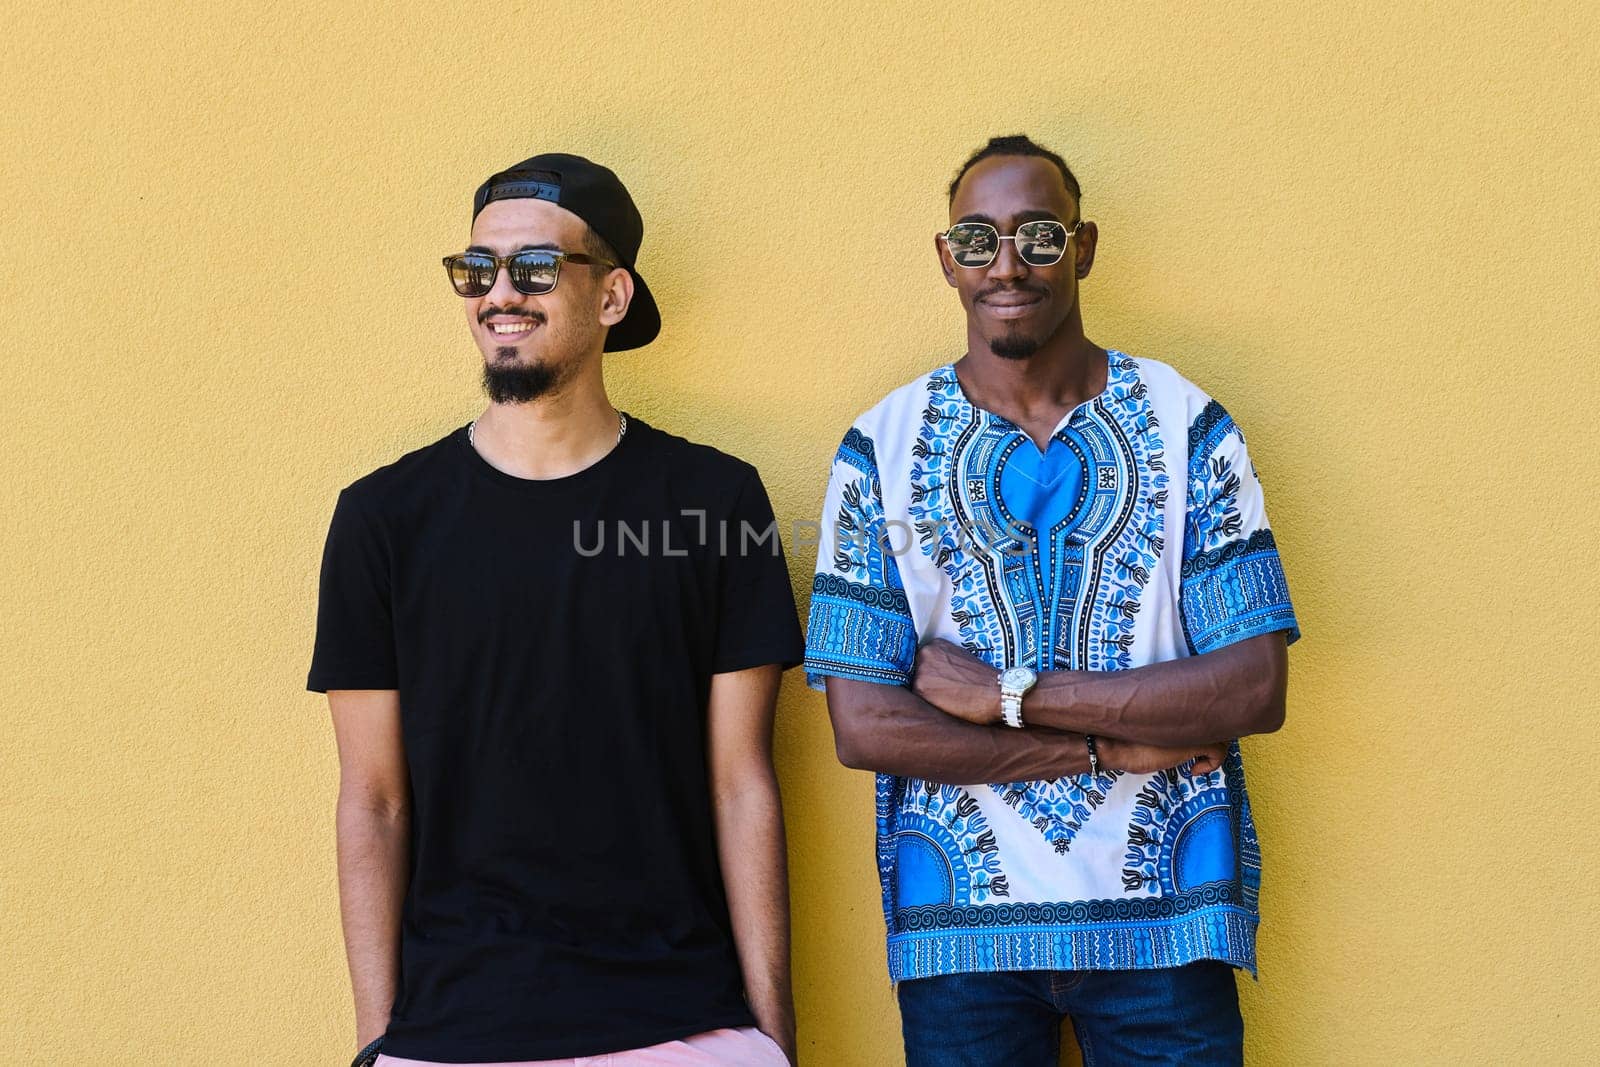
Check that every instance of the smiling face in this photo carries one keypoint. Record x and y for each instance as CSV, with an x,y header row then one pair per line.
x,y
532,345
1014,308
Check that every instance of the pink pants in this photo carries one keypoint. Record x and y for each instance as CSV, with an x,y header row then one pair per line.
x,y
746,1047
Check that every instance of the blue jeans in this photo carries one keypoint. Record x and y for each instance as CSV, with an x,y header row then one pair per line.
x,y
1177,1015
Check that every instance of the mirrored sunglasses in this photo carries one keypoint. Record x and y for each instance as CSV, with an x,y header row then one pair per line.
x,y
532,271
1039,243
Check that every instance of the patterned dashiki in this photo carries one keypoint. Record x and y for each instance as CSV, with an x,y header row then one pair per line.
x,y
1140,535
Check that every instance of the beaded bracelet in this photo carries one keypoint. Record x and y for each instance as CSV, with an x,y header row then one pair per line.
x,y
369,1055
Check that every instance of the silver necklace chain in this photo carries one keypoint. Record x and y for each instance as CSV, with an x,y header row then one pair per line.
x,y
622,428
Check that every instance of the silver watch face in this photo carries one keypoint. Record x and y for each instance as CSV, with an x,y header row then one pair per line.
x,y
1017,678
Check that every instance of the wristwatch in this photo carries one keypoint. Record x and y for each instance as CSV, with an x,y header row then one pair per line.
x,y
1014,683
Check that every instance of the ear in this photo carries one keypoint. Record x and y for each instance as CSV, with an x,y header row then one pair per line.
x,y
1088,238
946,264
616,293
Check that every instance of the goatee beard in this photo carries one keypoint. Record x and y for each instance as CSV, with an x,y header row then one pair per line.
x,y
508,381
1013,346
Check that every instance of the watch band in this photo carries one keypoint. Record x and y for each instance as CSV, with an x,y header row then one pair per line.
x,y
1011,709
1094,755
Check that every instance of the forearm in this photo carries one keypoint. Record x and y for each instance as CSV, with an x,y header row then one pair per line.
x,y
889,729
373,849
753,855
1232,692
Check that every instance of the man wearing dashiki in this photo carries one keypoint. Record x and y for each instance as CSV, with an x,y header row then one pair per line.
x,y
1047,604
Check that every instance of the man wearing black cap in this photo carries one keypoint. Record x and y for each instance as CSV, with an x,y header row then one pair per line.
x,y
551,642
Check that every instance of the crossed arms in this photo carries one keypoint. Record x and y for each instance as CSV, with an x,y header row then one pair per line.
x,y
946,727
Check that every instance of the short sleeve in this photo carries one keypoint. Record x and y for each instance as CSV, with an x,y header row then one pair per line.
x,y
1233,585
860,625
756,619
354,646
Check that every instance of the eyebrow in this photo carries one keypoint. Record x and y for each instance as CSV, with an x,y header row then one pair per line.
x,y
546,246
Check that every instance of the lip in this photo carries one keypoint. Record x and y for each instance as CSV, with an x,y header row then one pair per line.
x,y
1008,306
529,325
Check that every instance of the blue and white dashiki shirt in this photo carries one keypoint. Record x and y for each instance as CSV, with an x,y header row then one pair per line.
x,y
1140,536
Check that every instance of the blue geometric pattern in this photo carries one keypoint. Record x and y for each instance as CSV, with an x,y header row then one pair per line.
x,y
1181,835
1057,584
860,625
1233,586
945,852
1058,808
1234,592
1074,556
1118,934
861,631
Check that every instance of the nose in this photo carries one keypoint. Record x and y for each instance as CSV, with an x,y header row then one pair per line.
x,y
502,292
1007,263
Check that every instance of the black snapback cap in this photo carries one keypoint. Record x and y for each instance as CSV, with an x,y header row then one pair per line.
x,y
598,197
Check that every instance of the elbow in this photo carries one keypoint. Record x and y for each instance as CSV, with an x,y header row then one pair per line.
x,y
1269,699
1269,717
748,784
852,742
1271,703
373,805
850,749
864,723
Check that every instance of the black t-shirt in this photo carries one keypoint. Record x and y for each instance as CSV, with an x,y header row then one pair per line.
x,y
553,643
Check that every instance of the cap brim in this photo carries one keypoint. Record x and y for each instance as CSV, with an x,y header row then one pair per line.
x,y
642,322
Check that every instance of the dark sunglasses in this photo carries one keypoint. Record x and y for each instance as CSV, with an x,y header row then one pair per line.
x,y
532,271
1039,243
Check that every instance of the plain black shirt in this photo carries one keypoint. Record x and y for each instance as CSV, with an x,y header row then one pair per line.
x,y
553,643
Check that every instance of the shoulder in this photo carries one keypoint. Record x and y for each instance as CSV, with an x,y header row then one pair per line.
x,y
911,398
697,475
1165,380
693,458
1204,418
382,489
889,419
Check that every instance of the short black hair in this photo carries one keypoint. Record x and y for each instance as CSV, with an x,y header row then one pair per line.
x,y
1017,144
598,247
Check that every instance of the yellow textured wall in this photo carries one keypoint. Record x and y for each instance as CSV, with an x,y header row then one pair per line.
x,y
1369,228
